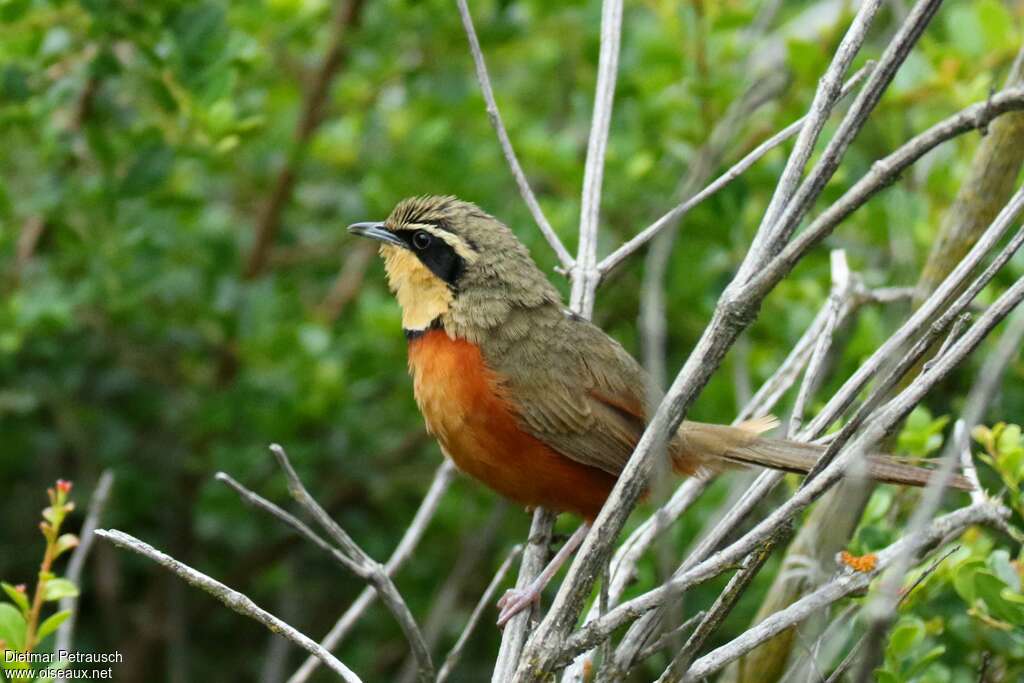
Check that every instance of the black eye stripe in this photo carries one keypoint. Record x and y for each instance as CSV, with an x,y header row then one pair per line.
x,y
436,254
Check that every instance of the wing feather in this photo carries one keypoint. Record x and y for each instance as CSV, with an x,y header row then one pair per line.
x,y
584,406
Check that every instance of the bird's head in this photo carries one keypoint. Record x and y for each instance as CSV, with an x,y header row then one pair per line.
x,y
450,263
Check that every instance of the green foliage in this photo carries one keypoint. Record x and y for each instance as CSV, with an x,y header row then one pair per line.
x,y
141,142
1004,453
22,627
970,604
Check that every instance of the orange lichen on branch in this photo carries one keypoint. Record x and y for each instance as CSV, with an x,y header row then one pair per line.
x,y
859,563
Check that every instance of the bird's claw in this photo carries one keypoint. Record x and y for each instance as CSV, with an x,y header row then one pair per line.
x,y
514,601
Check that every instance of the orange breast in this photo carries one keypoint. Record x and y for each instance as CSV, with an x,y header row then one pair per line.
x,y
464,407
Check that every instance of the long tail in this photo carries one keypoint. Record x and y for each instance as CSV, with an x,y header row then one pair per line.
x,y
742,445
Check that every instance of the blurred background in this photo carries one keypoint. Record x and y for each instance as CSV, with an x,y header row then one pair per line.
x,y
179,290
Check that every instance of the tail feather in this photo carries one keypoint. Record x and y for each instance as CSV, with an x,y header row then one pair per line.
x,y
742,446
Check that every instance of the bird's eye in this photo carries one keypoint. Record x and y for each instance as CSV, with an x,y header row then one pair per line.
x,y
421,239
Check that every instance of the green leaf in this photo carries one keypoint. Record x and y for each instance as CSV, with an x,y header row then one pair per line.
x,y
59,588
921,664
51,624
983,435
991,588
147,171
1009,439
12,626
16,596
64,543
963,580
908,632
883,676
999,562
879,504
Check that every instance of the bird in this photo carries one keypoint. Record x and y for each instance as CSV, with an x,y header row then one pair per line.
x,y
529,398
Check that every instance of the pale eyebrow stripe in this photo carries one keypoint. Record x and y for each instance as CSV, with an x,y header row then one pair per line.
x,y
461,246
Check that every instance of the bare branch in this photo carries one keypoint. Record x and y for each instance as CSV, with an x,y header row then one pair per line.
x,y
482,605
585,275
843,585
739,168
258,501
369,569
841,284
895,54
239,602
98,502
513,638
506,144
882,174
723,604
665,639
403,551
825,99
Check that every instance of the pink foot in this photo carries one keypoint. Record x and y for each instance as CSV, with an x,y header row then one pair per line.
x,y
515,601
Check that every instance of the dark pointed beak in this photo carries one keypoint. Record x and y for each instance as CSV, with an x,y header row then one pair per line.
x,y
375,230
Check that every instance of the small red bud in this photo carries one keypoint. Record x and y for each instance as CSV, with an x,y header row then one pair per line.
x,y
21,588
64,486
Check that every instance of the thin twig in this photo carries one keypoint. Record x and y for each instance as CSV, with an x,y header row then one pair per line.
x,y
955,331
258,501
239,602
735,171
585,275
723,604
825,98
371,570
403,551
892,58
98,502
506,144
535,557
846,583
474,618
666,638
841,283
882,174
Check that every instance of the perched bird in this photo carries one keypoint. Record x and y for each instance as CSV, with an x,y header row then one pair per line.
x,y
532,400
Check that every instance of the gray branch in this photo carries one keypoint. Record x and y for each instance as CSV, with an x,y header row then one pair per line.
x,y
403,551
846,583
825,99
365,566
98,502
735,171
535,557
239,602
585,274
482,605
506,144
